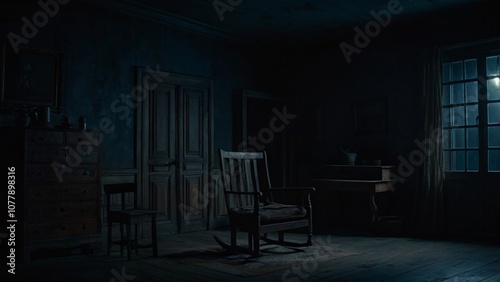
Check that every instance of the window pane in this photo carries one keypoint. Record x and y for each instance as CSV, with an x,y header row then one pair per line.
x,y
458,116
457,93
446,95
471,92
493,113
446,72
457,161
446,156
457,71
472,137
494,137
493,88
471,114
446,117
470,69
446,138
472,160
493,65
458,138
493,160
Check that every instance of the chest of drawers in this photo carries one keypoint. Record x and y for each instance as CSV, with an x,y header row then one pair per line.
x,y
59,171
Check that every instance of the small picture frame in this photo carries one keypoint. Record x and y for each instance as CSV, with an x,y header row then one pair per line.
x,y
31,76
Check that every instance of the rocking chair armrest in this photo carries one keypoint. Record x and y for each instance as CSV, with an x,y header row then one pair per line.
x,y
244,193
309,189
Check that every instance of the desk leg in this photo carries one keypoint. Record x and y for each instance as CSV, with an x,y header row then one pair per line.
x,y
373,206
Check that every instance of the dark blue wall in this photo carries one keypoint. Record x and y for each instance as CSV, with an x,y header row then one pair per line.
x,y
101,50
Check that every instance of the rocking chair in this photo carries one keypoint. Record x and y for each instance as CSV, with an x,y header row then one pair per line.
x,y
250,206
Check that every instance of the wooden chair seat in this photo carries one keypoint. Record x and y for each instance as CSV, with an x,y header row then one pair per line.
x,y
128,217
271,212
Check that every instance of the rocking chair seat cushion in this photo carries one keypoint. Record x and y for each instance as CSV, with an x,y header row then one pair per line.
x,y
272,212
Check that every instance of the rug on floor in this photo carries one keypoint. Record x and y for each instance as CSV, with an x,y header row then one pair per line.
x,y
274,258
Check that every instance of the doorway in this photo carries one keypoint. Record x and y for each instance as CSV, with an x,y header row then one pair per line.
x,y
175,134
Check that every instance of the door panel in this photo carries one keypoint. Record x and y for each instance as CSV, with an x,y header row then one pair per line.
x,y
194,161
161,174
175,142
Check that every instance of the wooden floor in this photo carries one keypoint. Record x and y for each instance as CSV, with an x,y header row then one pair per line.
x,y
375,259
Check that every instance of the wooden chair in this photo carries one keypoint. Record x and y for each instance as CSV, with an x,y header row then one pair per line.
x,y
128,217
250,206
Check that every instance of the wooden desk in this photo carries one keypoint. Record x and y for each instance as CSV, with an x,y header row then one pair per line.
x,y
358,178
350,185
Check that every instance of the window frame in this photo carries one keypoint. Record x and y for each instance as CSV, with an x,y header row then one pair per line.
x,y
479,51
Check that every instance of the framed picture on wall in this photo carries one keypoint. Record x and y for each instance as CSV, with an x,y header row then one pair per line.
x,y
32,77
370,117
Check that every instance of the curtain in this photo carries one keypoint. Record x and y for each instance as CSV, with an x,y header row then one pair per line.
x,y
428,201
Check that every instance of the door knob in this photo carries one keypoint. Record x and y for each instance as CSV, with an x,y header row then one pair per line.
x,y
174,163
162,163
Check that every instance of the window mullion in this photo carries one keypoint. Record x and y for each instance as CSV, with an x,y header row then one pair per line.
x,y
483,118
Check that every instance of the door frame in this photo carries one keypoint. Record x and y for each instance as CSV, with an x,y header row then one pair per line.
x,y
159,75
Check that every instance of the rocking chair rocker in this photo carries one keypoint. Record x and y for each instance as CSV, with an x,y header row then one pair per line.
x,y
250,206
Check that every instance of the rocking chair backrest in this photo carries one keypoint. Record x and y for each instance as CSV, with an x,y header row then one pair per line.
x,y
240,173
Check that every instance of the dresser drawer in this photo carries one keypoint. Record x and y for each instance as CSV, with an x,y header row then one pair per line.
x,y
91,137
85,152
45,173
60,229
82,173
42,173
81,192
44,136
44,153
48,211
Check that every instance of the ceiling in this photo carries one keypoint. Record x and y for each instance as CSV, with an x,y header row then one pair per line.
x,y
279,19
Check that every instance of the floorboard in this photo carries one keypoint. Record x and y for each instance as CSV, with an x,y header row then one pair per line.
x,y
374,259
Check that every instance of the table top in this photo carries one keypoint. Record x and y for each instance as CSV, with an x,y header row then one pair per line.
x,y
362,166
369,181
355,185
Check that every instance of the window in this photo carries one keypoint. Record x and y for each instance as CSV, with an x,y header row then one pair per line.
x,y
471,113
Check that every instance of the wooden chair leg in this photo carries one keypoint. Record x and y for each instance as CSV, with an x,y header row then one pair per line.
x,y
136,242
129,241
121,239
250,240
110,237
256,244
153,235
281,236
233,236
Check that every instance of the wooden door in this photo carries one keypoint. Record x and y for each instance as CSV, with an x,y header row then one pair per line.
x,y
175,150
193,156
